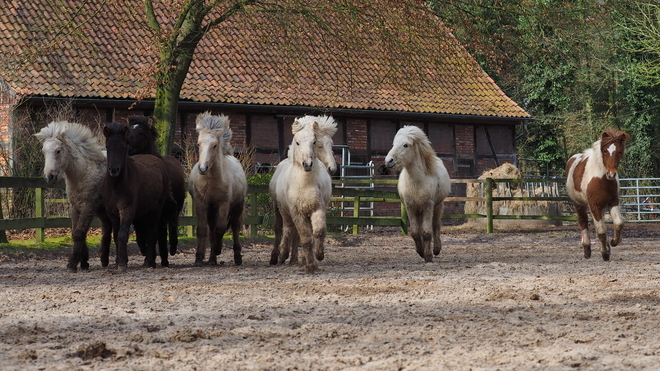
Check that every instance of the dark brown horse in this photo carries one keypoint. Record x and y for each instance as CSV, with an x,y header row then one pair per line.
x,y
592,183
134,191
142,140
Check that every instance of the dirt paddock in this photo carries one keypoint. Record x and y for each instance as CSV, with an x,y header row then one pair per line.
x,y
519,300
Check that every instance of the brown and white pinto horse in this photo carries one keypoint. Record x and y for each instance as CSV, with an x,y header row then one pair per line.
x,y
593,184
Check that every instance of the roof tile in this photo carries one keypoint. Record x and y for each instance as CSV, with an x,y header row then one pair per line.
x,y
239,63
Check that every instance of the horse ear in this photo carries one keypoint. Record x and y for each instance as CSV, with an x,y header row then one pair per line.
x,y
605,134
106,131
296,127
623,137
151,121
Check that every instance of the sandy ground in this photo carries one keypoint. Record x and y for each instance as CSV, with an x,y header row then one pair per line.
x,y
519,300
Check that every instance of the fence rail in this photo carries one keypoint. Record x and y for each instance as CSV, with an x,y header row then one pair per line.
x,y
637,204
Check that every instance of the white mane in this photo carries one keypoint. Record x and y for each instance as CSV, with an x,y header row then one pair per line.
x,y
79,137
220,126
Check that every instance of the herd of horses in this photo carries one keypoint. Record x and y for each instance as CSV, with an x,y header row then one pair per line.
x,y
131,184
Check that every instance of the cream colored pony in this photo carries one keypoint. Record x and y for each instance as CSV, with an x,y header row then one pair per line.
x,y
328,128
72,152
423,185
218,186
303,192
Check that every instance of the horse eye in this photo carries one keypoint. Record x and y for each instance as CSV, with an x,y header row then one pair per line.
x,y
405,145
58,151
314,142
297,143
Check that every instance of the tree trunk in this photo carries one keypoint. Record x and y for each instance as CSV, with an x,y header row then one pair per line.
x,y
173,73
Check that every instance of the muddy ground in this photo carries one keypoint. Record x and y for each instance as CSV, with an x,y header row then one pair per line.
x,y
518,300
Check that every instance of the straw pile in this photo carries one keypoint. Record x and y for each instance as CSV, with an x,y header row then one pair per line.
x,y
509,171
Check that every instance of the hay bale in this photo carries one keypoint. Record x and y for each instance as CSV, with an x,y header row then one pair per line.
x,y
509,171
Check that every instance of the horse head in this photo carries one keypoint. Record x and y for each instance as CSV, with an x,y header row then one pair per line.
x,y
142,135
612,148
304,144
327,128
116,135
54,150
214,140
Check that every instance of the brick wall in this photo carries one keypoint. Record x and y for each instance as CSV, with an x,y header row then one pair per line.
x,y
356,135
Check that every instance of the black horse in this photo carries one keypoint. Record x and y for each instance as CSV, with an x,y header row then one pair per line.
x,y
135,191
142,140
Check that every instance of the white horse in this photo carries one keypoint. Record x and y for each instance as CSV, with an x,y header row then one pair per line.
x,y
423,185
72,152
303,194
218,186
328,128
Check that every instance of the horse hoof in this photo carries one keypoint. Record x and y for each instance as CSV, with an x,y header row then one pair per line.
x,y
436,250
320,256
238,259
84,266
172,250
121,269
428,259
198,263
587,252
606,257
165,263
105,262
217,250
614,242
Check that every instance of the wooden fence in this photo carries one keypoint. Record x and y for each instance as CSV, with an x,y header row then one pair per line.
x,y
386,193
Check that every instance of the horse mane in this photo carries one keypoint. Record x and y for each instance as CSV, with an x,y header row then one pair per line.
x,y
423,146
220,126
611,135
78,136
326,124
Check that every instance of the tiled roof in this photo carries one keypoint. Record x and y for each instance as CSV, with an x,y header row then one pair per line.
x,y
239,63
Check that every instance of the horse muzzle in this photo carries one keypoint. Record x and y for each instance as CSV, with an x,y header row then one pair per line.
x,y
390,163
203,170
52,178
307,166
610,175
114,171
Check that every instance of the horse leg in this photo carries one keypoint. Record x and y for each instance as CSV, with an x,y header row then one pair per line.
x,y
218,229
288,232
235,220
617,220
583,222
317,220
173,226
295,241
106,231
201,210
80,237
162,242
278,235
141,240
416,230
427,233
599,221
305,233
122,240
437,224
74,258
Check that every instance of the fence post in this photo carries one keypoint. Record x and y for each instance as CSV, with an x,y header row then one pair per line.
x,y
356,212
253,212
404,219
39,234
190,211
489,205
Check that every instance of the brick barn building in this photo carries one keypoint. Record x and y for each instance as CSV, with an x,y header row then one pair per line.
x,y
236,71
